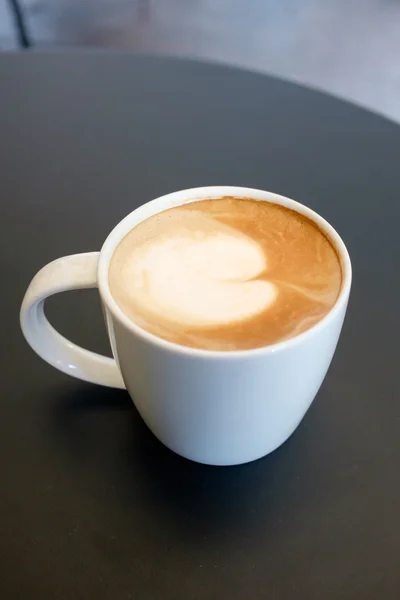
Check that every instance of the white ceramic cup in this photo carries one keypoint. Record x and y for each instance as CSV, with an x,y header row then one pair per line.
x,y
220,408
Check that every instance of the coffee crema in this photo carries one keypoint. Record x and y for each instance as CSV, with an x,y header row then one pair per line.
x,y
225,274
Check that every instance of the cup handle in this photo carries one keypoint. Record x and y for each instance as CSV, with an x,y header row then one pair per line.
x,y
68,273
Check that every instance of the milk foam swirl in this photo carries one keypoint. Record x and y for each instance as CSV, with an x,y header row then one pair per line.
x,y
199,279
225,274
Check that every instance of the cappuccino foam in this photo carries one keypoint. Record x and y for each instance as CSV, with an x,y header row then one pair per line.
x,y
225,274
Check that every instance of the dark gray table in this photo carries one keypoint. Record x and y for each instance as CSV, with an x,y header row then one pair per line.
x,y
91,505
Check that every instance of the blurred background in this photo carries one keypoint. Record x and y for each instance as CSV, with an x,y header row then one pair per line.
x,y
350,48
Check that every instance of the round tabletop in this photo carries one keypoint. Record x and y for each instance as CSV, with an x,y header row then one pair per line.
x,y
91,504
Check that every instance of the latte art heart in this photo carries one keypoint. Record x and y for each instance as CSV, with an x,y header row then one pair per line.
x,y
225,274
199,280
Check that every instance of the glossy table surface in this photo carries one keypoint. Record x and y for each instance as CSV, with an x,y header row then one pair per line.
x,y
91,505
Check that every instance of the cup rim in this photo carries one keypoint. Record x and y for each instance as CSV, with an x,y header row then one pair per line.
x,y
209,193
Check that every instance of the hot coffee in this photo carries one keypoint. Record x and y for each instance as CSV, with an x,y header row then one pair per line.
x,y
226,274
